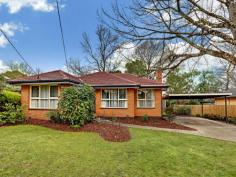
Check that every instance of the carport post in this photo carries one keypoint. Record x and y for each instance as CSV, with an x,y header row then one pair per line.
x,y
202,108
226,111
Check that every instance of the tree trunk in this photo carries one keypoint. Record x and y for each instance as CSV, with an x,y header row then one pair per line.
x,y
232,16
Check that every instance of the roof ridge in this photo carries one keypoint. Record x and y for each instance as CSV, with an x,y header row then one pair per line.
x,y
63,73
124,78
140,77
94,73
48,72
71,75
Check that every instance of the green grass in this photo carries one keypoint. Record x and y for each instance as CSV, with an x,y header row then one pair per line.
x,y
36,151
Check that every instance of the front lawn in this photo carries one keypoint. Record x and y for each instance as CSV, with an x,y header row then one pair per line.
x,y
37,151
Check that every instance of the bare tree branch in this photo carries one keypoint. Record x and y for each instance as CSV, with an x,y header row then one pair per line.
x,y
205,27
101,56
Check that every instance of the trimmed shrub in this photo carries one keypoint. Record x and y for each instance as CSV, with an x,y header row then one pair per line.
x,y
77,105
13,114
9,97
183,110
169,112
12,97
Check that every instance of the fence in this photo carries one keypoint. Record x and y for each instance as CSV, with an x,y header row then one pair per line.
x,y
216,110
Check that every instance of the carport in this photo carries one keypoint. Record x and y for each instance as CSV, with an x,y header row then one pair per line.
x,y
200,96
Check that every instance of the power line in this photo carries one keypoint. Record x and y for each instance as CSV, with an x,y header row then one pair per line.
x,y
62,34
17,51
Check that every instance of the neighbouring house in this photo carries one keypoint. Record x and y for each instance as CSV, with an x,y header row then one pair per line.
x,y
117,94
231,100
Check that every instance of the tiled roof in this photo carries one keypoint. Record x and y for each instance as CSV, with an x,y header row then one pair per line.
x,y
139,80
53,76
105,79
98,79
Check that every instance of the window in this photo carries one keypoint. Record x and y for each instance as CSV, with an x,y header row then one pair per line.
x,y
44,97
116,98
146,99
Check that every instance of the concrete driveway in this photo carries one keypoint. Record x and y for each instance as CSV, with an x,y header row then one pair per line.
x,y
209,128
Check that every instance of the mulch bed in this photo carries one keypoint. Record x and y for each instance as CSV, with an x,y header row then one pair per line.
x,y
153,122
109,132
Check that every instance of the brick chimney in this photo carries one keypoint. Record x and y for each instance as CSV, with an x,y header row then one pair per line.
x,y
159,76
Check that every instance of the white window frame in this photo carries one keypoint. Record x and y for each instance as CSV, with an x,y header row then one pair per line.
x,y
118,99
145,99
39,98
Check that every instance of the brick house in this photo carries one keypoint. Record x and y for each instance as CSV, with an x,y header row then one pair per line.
x,y
117,94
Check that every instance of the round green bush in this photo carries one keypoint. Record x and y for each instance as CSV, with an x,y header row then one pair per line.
x,y
77,105
12,97
9,97
12,114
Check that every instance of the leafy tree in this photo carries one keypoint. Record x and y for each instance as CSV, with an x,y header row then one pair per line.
x,y
208,82
21,67
14,74
193,81
136,67
182,82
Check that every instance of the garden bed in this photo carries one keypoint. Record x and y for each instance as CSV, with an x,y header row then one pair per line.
x,y
152,122
109,132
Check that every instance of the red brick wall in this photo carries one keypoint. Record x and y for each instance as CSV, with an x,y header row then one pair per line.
x,y
115,112
131,111
152,112
25,102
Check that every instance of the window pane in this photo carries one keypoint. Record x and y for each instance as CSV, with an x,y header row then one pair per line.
x,y
35,91
141,103
122,104
53,104
34,103
122,94
141,94
44,93
149,94
149,103
113,104
114,94
44,104
105,104
105,94
54,91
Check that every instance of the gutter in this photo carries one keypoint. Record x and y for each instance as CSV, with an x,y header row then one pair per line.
x,y
43,81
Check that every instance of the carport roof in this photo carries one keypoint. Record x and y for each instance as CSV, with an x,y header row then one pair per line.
x,y
196,96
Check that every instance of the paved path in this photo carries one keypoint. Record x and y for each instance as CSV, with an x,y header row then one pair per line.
x,y
209,128
204,127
